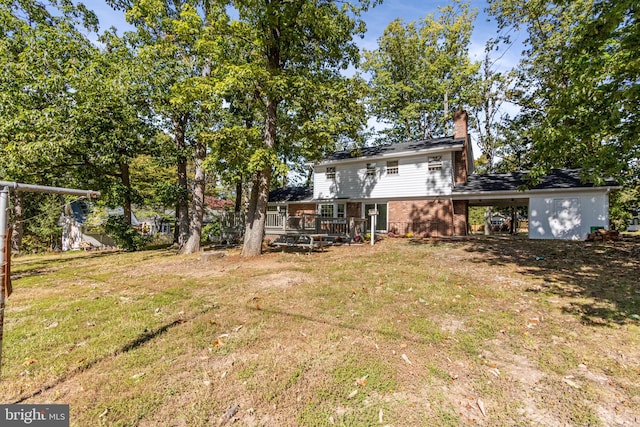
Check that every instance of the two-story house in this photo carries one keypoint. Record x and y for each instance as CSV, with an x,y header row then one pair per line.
x,y
426,187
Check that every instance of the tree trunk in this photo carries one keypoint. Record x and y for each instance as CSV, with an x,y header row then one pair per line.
x,y
257,211
192,244
126,182
238,206
182,206
487,221
18,217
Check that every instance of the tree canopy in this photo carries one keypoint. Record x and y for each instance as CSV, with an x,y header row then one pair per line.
x,y
421,73
578,83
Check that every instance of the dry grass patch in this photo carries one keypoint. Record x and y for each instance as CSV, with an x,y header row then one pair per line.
x,y
485,332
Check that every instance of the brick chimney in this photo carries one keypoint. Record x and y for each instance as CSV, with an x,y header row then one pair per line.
x,y
461,158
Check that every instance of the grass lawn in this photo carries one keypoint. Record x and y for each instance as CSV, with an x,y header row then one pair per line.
x,y
493,332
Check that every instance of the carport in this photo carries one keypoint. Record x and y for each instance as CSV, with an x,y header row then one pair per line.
x,y
560,206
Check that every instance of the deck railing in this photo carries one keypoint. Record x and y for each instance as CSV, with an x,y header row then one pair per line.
x,y
313,223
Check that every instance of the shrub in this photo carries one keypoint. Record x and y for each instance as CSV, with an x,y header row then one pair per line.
x,y
125,236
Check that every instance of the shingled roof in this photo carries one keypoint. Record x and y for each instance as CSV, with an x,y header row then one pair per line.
x,y
514,181
394,149
291,194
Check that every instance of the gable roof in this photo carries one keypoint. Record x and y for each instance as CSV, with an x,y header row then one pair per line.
x,y
291,194
389,150
557,179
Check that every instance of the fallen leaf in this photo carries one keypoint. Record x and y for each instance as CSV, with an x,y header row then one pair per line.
x,y
52,325
362,381
218,343
406,359
571,383
136,376
353,393
331,420
480,404
29,362
380,416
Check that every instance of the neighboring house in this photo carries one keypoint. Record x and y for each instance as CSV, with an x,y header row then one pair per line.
x,y
426,187
78,233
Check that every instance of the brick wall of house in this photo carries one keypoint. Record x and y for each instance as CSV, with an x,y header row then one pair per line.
x,y
419,216
298,209
460,217
460,130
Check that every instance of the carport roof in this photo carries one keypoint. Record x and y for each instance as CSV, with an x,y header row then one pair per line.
x,y
557,179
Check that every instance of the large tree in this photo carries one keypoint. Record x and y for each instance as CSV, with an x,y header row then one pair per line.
x,y
579,83
182,45
421,73
42,53
298,50
111,122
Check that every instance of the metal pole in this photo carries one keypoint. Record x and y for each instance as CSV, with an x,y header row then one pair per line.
x,y
45,189
4,198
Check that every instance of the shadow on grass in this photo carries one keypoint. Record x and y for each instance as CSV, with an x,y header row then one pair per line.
x,y
142,339
600,279
25,267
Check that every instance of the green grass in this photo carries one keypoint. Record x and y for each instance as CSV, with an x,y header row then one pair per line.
x,y
411,333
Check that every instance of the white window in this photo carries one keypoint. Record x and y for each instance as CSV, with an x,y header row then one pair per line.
x,y
371,169
326,211
332,210
434,163
331,172
392,167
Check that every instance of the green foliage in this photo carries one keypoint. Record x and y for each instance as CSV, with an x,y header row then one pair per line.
x,y
41,213
624,205
211,231
125,236
578,83
421,73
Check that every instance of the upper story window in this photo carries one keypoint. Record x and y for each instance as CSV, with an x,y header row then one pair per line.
x,y
371,169
331,172
392,167
434,163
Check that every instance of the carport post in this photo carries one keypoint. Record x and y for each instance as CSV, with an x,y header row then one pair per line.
x,y
4,198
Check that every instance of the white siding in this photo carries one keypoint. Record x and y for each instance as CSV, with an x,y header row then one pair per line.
x,y
412,180
568,216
